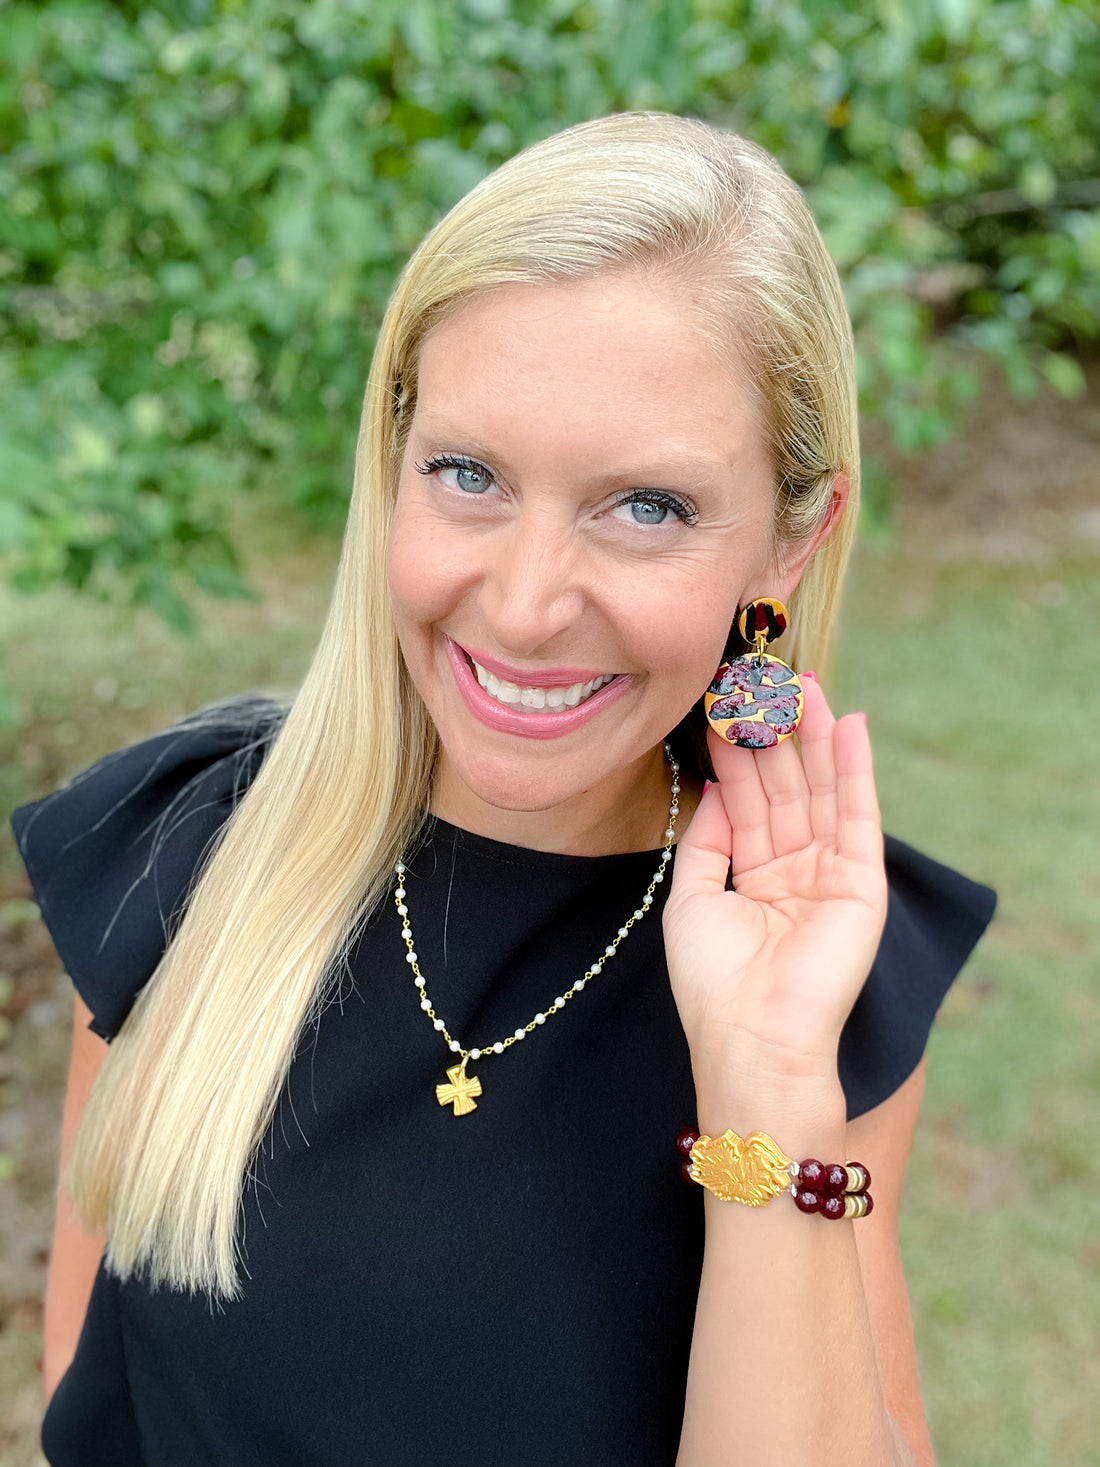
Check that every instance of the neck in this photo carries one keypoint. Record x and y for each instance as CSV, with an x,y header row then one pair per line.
x,y
626,811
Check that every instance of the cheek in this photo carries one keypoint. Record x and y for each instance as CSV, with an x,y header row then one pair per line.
x,y
679,635
426,579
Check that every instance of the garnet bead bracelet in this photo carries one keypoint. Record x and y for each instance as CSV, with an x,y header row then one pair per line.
x,y
754,1171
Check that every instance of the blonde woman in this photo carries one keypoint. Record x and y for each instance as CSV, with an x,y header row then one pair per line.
x,y
404,1017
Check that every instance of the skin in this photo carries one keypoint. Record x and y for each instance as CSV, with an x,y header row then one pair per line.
x,y
573,399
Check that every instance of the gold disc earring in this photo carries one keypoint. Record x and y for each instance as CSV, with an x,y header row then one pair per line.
x,y
756,701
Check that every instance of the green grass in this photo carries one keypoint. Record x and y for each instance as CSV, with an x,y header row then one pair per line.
x,y
982,684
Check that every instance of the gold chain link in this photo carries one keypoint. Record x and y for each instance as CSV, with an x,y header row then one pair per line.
x,y
499,1046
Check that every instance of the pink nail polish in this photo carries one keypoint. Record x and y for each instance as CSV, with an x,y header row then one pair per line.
x,y
707,784
812,676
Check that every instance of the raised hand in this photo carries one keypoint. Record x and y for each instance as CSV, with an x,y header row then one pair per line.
x,y
765,975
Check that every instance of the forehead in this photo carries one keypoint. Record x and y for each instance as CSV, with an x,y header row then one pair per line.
x,y
591,369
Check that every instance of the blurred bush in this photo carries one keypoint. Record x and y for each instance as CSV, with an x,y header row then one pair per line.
x,y
203,204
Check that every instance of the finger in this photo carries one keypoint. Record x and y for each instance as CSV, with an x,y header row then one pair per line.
x,y
703,851
815,736
784,783
745,802
859,828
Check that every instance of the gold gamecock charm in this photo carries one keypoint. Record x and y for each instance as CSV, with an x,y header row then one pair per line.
x,y
752,1171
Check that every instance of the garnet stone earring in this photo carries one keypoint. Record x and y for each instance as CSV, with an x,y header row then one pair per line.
x,y
755,701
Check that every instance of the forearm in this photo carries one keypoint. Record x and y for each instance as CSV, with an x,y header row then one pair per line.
x,y
783,1367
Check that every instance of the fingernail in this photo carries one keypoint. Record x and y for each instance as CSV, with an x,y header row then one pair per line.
x,y
812,676
707,784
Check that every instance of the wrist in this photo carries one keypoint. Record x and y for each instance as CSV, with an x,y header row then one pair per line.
x,y
805,1111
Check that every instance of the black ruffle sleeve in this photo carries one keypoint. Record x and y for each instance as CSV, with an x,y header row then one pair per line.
x,y
113,855
934,918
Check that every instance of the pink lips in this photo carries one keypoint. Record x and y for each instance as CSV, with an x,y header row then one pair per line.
x,y
522,721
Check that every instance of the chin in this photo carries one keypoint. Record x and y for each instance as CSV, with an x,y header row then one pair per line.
x,y
533,777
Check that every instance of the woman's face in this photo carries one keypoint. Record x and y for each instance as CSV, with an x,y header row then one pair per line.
x,y
584,500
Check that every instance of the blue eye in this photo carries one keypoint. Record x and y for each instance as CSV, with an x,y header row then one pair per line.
x,y
645,512
464,474
652,507
471,481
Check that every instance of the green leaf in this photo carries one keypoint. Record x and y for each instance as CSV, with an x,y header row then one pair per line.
x,y
1064,374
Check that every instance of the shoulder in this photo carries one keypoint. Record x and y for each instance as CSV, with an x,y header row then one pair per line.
x,y
935,916
114,854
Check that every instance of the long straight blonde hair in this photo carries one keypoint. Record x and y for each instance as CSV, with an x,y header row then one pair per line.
x,y
190,1083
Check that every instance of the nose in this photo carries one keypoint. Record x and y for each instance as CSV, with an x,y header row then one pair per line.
x,y
533,584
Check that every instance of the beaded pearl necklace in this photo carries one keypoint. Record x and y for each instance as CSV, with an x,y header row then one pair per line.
x,y
461,1088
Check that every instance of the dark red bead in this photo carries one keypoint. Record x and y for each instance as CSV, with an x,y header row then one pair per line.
x,y
870,1201
685,1173
807,1201
833,1208
812,1174
686,1140
835,1182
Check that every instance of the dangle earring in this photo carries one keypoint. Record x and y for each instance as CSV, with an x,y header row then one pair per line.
x,y
755,701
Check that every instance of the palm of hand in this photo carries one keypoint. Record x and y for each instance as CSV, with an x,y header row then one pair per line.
x,y
779,961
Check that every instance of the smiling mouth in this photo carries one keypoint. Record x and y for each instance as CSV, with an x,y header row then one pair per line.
x,y
537,700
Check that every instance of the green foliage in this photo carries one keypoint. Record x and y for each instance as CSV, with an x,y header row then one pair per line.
x,y
205,202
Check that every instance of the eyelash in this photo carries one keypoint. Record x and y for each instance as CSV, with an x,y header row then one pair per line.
x,y
679,507
683,511
452,461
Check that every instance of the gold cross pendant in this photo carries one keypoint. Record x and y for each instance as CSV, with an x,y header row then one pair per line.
x,y
460,1091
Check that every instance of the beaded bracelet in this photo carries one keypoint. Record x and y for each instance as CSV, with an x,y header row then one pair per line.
x,y
754,1171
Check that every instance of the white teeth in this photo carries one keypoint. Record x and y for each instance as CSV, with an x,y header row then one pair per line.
x,y
538,699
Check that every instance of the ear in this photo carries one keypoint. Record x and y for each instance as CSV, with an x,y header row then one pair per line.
x,y
793,559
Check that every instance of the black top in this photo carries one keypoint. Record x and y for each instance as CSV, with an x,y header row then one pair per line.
x,y
512,1288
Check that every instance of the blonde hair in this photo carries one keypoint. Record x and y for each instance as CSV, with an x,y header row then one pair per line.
x,y
190,1084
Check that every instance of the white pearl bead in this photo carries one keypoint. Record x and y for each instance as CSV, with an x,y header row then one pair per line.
x,y
669,833
498,1048
410,957
400,868
658,876
609,951
580,984
438,1024
521,1034
402,911
420,980
540,1018
425,1004
639,914
400,893
597,967
623,932
475,1053
406,933
559,1003
454,1046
